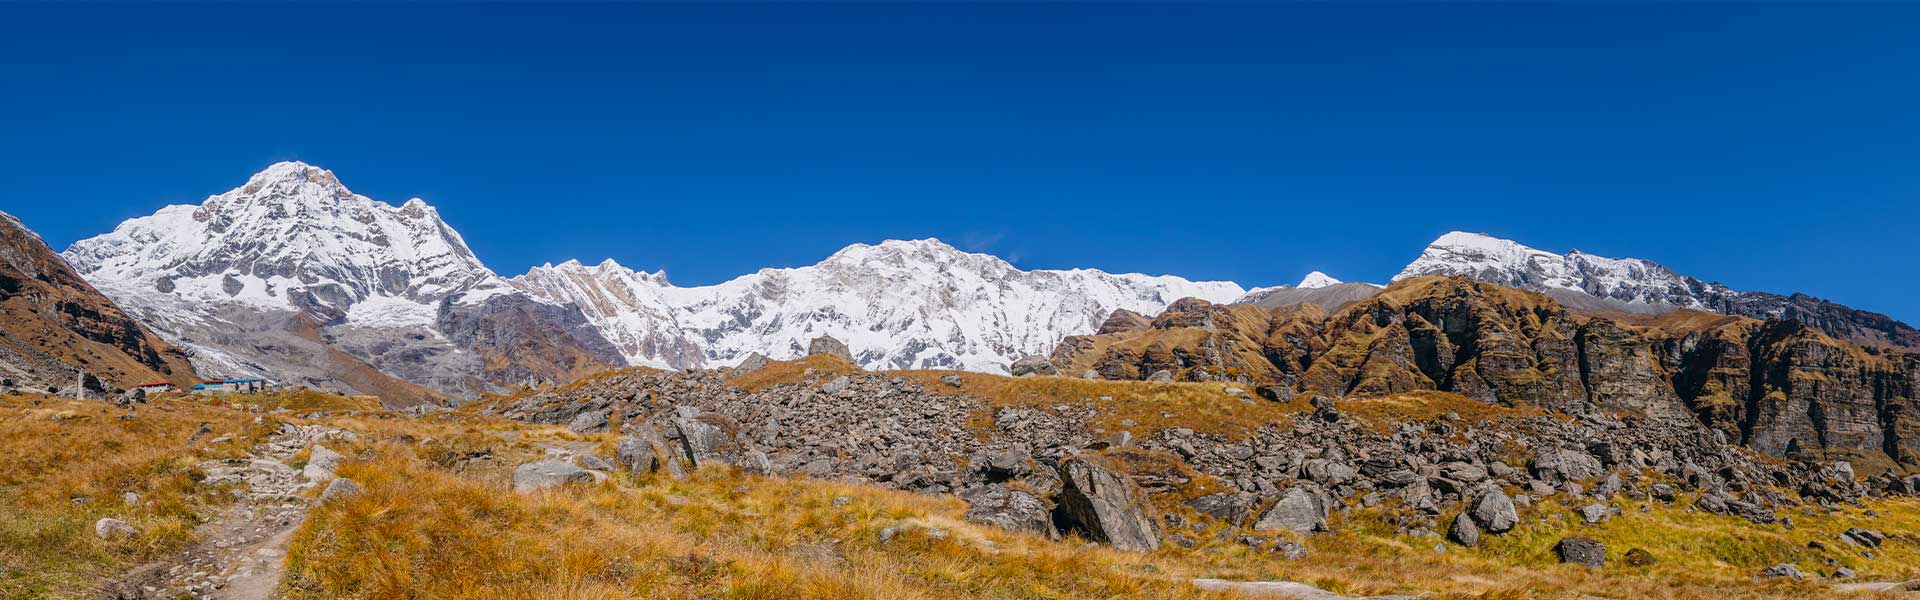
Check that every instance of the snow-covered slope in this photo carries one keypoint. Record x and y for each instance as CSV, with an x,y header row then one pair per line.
x,y
291,238
1316,280
897,304
293,277
1627,283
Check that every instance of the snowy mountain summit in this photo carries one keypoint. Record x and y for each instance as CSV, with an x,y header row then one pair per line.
x,y
1316,280
293,238
896,304
292,276
1625,282
1585,281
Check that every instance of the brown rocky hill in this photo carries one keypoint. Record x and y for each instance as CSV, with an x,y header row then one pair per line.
x,y
53,325
1781,387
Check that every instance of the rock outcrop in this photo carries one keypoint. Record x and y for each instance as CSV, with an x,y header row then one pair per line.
x,y
1106,505
56,329
1781,386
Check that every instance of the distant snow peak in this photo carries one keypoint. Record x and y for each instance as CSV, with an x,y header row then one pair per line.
x,y
1316,280
896,304
1505,262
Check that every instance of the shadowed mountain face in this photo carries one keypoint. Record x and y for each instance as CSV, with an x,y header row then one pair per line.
x,y
55,329
1779,386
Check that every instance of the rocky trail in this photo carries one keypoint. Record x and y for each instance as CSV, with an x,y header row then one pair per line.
x,y
241,553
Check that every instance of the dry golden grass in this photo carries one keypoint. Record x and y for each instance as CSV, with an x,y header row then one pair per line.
x,y
422,531
66,464
438,519
427,529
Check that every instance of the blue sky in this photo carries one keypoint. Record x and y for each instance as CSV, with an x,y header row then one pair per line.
x,y
1769,147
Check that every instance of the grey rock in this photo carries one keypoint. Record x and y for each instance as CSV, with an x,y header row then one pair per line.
x,y
1107,506
1783,571
321,463
589,461
108,529
950,379
1276,393
1586,552
1033,365
340,488
1595,513
1010,509
831,347
1564,465
753,362
836,384
1233,509
544,474
589,422
1161,376
1463,472
1864,537
1495,512
1300,510
1464,531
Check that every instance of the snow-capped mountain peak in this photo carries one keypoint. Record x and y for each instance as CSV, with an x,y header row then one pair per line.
x,y
897,304
292,237
1630,281
1316,280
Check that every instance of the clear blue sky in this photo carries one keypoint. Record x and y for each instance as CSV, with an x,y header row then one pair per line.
x,y
1768,147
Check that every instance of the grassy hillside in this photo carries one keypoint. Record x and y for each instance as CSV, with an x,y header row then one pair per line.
x,y
438,518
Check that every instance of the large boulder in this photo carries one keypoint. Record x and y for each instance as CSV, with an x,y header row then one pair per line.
x,y
831,347
1464,531
708,438
647,452
1301,510
537,476
1010,509
1586,552
1106,505
1033,365
1494,511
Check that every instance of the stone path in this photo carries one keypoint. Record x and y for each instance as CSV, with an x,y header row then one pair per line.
x,y
241,554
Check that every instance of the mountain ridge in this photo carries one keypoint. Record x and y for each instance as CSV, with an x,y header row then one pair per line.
x,y
1595,283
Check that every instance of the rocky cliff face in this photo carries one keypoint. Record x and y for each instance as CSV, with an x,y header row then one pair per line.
x,y
1592,283
1779,386
56,329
